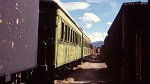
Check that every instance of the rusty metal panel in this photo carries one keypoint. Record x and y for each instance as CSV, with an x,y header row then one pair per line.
x,y
18,35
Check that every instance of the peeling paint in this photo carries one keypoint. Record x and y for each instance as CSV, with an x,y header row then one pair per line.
x,y
17,21
12,45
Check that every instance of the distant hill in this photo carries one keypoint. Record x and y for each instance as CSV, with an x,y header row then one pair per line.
x,y
98,43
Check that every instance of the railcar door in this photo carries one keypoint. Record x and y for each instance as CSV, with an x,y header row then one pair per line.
x,y
47,28
138,57
142,55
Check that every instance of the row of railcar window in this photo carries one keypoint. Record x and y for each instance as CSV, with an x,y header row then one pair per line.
x,y
86,44
68,34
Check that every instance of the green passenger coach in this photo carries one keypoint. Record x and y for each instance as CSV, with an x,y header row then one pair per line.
x,y
86,46
61,40
68,40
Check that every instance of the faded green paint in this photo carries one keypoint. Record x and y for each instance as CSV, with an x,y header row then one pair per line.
x,y
65,52
86,49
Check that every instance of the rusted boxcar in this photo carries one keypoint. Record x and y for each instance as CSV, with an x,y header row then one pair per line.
x,y
127,44
18,38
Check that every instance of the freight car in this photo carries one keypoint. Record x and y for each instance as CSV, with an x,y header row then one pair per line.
x,y
61,42
18,37
127,44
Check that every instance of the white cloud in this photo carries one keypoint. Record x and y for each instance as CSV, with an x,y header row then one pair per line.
x,y
71,6
88,25
94,1
89,19
112,3
96,36
58,0
109,23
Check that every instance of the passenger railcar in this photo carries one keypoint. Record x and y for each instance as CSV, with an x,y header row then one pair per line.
x,y
86,45
127,44
62,37
61,42
93,51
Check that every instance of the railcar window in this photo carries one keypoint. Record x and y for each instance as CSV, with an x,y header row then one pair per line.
x,y
79,40
71,36
84,42
62,30
76,38
68,33
66,28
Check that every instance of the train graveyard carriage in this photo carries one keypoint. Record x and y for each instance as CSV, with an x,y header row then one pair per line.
x,y
93,50
60,39
18,38
68,42
86,45
127,44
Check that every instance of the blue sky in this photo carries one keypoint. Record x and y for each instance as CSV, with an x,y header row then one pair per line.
x,y
94,16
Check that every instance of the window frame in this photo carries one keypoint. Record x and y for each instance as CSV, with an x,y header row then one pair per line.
x,y
62,30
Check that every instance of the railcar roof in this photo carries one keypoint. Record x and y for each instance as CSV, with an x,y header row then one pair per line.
x,y
66,12
63,9
135,3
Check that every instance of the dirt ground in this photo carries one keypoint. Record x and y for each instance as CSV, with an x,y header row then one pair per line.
x,y
91,71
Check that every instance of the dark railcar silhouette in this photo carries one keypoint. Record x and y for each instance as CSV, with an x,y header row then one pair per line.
x,y
127,45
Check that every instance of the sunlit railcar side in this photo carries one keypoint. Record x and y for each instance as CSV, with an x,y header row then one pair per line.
x,y
64,34
61,41
86,45
68,40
